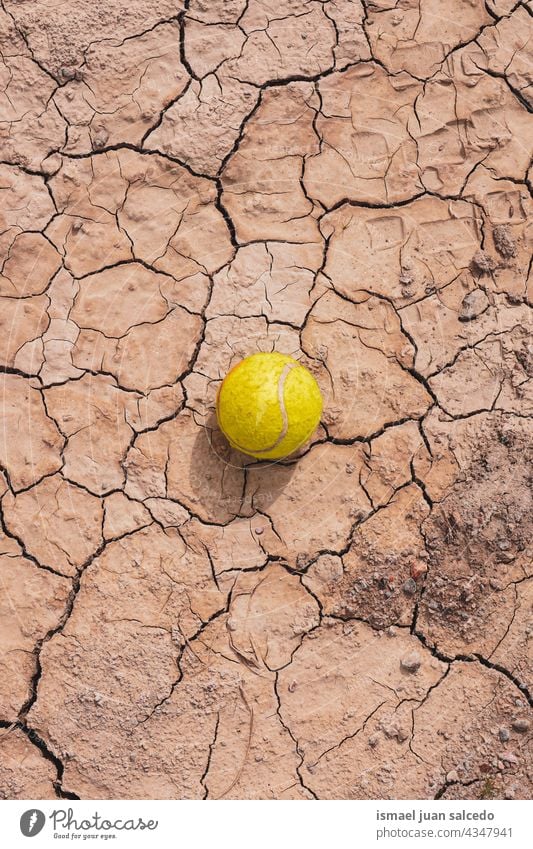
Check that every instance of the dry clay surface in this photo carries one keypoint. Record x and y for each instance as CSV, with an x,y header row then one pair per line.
x,y
183,184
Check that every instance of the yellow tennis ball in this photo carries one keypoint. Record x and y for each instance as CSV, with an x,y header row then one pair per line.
x,y
268,405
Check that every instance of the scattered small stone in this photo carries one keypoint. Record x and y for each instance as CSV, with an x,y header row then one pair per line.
x,y
521,725
68,73
373,741
232,625
505,557
482,262
509,758
292,686
411,662
259,531
474,304
409,587
453,775
99,141
302,559
504,735
417,570
503,242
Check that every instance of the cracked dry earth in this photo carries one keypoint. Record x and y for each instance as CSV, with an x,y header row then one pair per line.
x,y
182,185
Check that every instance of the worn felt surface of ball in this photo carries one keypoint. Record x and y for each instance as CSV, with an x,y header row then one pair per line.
x,y
268,405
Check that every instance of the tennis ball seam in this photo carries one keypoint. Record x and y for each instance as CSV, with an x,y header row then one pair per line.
x,y
281,401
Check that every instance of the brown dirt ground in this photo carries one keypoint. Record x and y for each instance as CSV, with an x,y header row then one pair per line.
x,y
182,185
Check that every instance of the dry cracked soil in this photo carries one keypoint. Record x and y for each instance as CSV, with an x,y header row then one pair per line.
x,y
183,184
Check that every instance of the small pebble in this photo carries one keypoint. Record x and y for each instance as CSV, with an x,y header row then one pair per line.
x,y
411,662
475,303
409,587
417,570
258,531
521,725
504,735
453,775
100,140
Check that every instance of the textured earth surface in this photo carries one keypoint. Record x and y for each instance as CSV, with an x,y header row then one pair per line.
x,y
183,184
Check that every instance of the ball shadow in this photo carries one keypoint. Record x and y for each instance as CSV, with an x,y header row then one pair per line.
x,y
229,484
